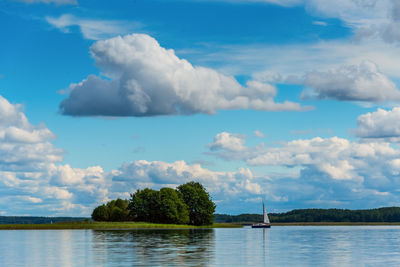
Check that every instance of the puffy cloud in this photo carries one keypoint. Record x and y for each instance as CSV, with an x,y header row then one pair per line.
x,y
92,29
24,146
326,172
337,158
30,170
379,124
57,2
355,83
228,141
145,79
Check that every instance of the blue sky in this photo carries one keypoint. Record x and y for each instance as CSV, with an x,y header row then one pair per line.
x,y
294,102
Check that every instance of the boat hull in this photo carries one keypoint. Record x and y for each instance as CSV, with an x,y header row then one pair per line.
x,y
261,225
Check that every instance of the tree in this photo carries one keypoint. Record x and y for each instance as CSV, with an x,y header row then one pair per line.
x,y
101,213
118,210
172,207
145,205
115,210
201,208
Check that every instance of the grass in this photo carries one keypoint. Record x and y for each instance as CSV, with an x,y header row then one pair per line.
x,y
110,226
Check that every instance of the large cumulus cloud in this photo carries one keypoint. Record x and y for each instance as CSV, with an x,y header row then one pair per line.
x,y
141,78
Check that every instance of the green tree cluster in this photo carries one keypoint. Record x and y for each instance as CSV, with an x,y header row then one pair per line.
x,y
188,204
164,206
115,211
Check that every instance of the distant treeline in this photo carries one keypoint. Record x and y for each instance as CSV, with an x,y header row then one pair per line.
x,y
390,214
37,220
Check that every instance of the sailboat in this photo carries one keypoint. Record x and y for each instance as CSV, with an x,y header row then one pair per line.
x,y
265,223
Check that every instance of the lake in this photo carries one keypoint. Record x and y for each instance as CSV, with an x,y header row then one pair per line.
x,y
278,246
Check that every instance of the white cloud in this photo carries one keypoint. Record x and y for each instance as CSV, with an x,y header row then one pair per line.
x,y
22,145
320,23
337,158
330,172
32,199
93,29
57,2
30,169
228,141
355,83
379,124
258,133
145,79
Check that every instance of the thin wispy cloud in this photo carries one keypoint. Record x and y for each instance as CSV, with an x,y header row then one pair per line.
x,y
57,2
93,29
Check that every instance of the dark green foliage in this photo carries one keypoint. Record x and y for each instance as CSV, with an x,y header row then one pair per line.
x,y
101,213
189,204
164,206
201,208
391,214
145,205
115,210
172,207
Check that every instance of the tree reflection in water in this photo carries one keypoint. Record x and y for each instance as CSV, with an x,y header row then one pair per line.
x,y
184,247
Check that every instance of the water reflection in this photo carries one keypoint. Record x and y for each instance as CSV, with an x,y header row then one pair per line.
x,y
154,247
278,246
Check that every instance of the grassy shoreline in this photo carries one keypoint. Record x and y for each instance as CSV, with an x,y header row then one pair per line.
x,y
145,225
110,226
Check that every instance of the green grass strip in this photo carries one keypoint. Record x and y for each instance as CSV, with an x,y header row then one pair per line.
x,y
110,226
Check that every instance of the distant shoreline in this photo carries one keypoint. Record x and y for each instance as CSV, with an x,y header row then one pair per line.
x,y
110,226
385,215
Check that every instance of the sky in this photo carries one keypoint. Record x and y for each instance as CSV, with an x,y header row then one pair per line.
x,y
294,102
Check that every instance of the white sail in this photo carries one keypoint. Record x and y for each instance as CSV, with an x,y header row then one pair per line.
x,y
266,219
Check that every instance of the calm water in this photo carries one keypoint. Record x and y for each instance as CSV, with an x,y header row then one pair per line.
x,y
278,246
